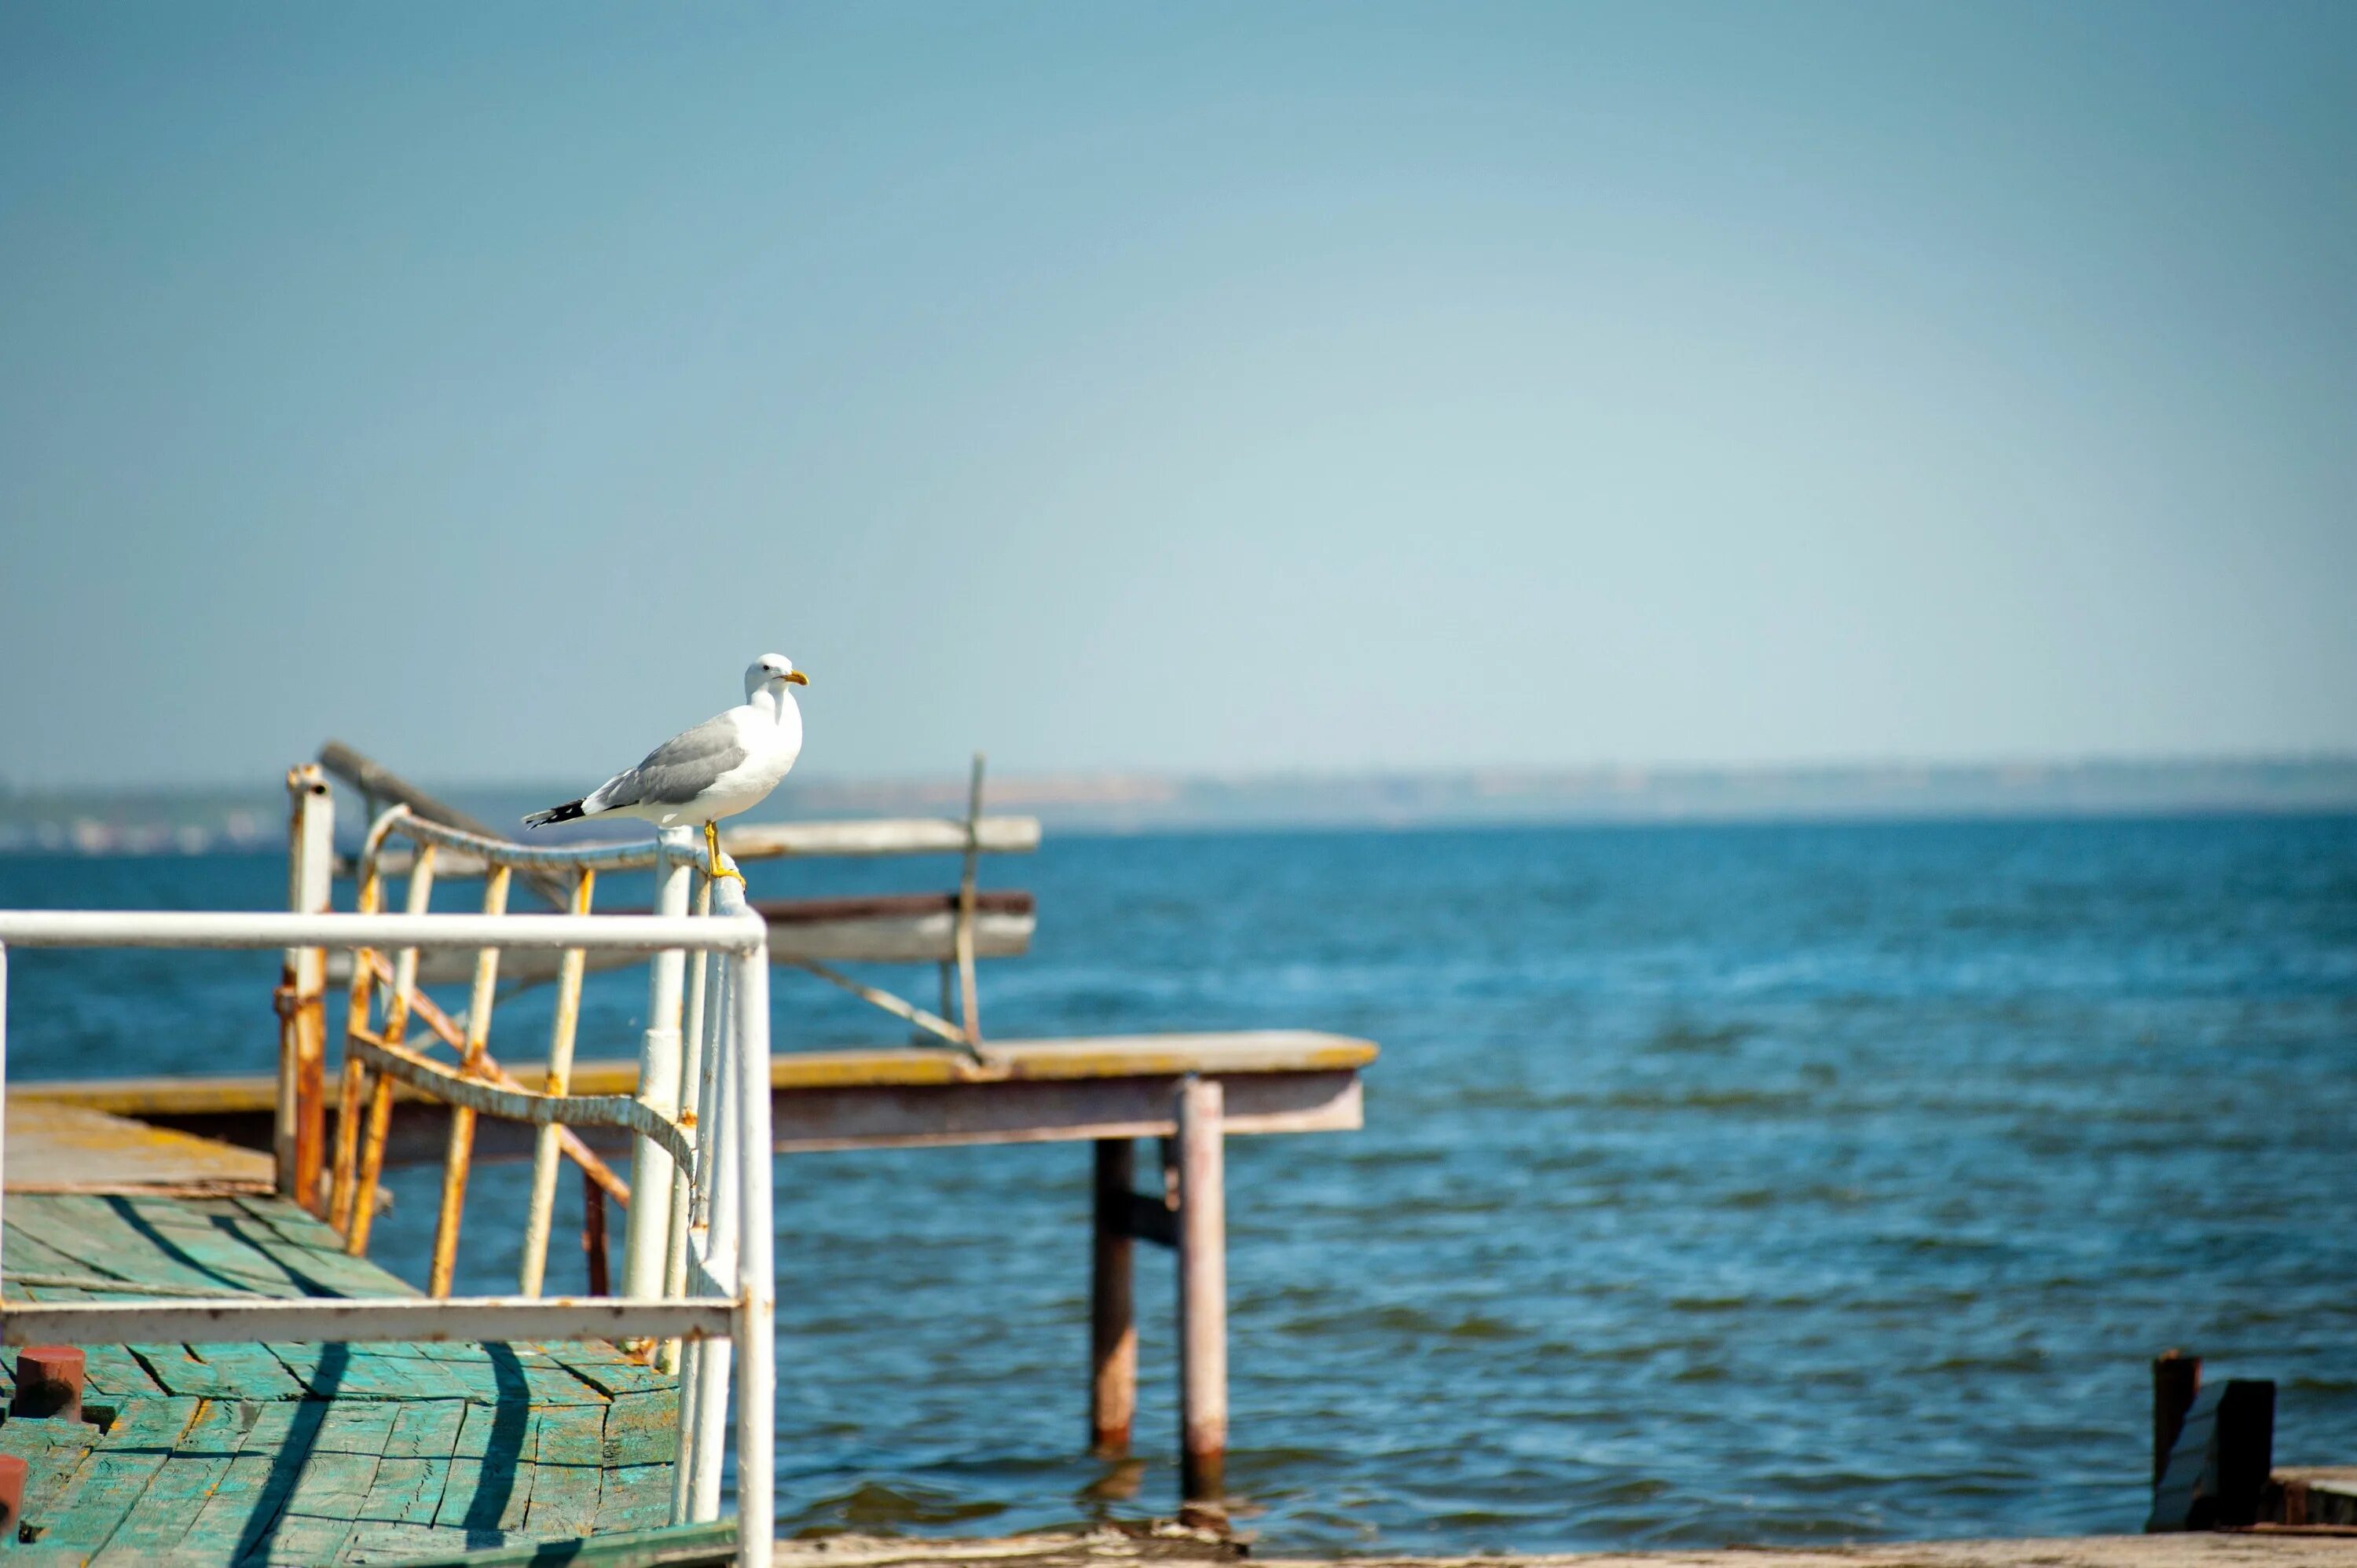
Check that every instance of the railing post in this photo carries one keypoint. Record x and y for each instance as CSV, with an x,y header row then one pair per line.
x,y
299,1140
690,1115
757,1278
3,1064
718,1190
645,1241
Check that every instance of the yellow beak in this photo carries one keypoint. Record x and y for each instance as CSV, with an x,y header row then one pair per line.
x,y
797,677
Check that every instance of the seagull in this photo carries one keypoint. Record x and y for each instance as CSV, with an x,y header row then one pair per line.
x,y
727,764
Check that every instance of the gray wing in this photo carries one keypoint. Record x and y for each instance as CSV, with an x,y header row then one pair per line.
x,y
677,772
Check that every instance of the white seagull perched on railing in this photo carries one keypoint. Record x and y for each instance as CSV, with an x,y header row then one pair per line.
x,y
727,764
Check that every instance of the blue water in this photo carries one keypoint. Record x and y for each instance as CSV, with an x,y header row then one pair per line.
x,y
1778,1183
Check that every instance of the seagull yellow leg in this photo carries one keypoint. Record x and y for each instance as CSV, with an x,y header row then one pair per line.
x,y
713,870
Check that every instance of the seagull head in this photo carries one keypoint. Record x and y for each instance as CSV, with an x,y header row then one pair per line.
x,y
773,671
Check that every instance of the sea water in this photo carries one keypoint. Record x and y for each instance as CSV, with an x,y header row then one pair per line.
x,y
1783,1183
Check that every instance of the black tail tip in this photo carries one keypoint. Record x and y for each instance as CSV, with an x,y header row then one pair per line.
x,y
564,813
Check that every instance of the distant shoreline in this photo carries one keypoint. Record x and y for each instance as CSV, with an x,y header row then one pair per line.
x,y
198,820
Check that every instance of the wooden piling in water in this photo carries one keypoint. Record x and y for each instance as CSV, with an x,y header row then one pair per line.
x,y
2176,1380
1203,1291
1112,1304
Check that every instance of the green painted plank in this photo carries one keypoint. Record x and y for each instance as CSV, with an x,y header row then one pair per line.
x,y
428,1429
399,1368
406,1491
317,1273
164,1512
563,1498
244,1488
246,1505
490,1485
635,1497
102,1492
333,1486
612,1372
52,1450
250,1371
177,1370
29,1255
572,1435
220,1427
144,1424
640,1429
301,1541
354,1426
85,1228
98,1497
712,1545
377,1542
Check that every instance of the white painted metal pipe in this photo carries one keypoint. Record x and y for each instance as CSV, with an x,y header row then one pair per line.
x,y
690,1125
646,1240
265,929
3,1071
721,1196
755,1332
320,1321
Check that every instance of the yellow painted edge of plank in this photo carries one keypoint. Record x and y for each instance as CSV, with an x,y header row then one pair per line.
x,y
1116,1055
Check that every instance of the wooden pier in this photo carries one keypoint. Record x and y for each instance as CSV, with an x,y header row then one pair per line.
x,y
1106,1091
133,1194
289,1453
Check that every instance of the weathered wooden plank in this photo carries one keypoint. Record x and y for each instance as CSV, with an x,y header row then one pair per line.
x,y
333,1486
611,1373
75,1148
374,1541
178,1372
634,1497
300,1540
156,1424
246,1505
572,1435
640,1429
220,1427
369,1373
52,1450
414,1472
95,1229
563,1500
96,1499
489,1486
428,1429
250,1371
355,1426
102,1491
406,1491
168,1508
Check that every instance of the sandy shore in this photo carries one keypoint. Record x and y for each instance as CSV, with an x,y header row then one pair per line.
x,y
1107,1548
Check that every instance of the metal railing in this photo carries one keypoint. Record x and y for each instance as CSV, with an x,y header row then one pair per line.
x,y
703,1279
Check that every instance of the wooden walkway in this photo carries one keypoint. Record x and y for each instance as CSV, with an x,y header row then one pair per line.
x,y
308,1454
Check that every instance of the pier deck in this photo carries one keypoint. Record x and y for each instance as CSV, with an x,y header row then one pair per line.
x,y
309,1454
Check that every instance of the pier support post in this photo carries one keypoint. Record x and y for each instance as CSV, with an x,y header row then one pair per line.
x,y
300,1138
1203,1293
2176,1380
1112,1307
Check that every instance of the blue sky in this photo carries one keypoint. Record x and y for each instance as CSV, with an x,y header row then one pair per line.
x,y
1188,387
